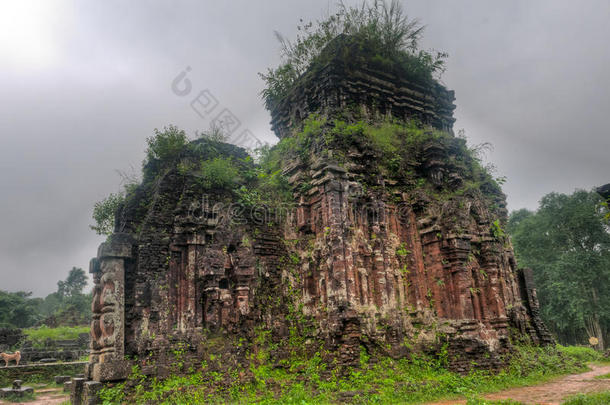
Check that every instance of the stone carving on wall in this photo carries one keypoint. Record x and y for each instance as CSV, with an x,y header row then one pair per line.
x,y
108,309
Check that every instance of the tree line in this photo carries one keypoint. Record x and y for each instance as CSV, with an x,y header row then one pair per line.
x,y
566,241
68,306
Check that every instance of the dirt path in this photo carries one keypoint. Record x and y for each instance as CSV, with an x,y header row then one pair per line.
x,y
45,396
553,392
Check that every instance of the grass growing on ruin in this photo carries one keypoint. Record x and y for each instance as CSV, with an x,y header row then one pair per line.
x,y
40,334
375,34
308,380
399,146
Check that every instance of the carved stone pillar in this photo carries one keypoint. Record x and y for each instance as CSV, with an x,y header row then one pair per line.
x,y
107,362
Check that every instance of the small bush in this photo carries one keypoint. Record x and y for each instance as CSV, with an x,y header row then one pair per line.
x,y
218,173
164,149
167,144
384,138
113,394
581,353
104,212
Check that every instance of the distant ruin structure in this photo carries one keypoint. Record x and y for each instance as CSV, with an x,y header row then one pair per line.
x,y
604,191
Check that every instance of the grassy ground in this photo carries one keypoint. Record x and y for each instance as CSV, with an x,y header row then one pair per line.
x,y
600,398
42,333
309,381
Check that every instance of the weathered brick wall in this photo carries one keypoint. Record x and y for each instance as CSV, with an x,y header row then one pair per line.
x,y
408,267
190,262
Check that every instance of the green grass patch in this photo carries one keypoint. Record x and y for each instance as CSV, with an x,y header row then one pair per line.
x,y
599,398
39,335
603,377
581,353
309,380
218,172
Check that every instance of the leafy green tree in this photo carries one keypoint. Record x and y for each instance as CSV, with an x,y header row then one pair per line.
x,y
74,284
67,306
18,310
72,306
567,244
50,304
75,310
164,148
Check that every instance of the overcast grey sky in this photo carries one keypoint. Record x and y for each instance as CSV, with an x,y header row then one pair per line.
x,y
82,84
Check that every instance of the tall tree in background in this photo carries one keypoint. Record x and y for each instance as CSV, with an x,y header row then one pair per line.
x,y
69,306
18,309
567,244
74,284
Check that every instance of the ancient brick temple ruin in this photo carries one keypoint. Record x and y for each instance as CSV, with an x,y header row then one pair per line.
x,y
367,261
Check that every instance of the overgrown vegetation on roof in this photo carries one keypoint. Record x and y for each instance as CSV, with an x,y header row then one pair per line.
x,y
377,33
206,164
399,150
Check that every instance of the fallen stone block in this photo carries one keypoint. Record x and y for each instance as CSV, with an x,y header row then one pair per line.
x,y
16,391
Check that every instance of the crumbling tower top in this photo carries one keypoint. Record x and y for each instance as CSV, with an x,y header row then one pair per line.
x,y
604,191
345,76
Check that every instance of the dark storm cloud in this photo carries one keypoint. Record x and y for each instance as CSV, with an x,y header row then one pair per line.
x,y
83,85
